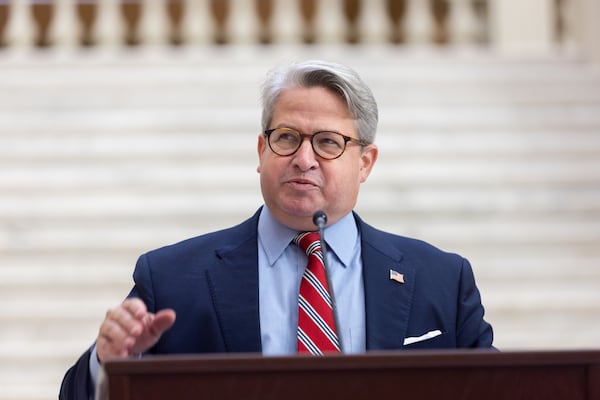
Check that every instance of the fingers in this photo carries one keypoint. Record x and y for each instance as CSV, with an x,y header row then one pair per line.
x,y
132,319
119,330
129,328
112,341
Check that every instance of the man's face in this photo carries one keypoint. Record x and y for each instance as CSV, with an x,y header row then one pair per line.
x,y
294,187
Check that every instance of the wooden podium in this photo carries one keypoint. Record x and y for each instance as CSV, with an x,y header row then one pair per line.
x,y
414,375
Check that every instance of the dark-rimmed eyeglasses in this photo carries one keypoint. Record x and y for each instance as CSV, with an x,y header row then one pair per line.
x,y
326,144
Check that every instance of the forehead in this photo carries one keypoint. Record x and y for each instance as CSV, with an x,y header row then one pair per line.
x,y
314,101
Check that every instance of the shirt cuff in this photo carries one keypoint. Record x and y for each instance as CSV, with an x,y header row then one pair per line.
x,y
94,366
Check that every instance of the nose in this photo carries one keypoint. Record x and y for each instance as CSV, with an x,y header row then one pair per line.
x,y
305,157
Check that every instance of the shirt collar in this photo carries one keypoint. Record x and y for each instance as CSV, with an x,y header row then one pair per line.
x,y
274,237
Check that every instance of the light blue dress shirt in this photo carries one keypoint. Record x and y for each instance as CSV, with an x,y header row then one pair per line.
x,y
280,267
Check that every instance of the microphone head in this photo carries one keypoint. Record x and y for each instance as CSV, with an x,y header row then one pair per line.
x,y
320,218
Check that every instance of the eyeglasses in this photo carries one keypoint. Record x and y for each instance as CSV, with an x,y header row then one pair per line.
x,y
327,145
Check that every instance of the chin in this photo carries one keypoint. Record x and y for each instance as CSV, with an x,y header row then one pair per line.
x,y
299,218
300,207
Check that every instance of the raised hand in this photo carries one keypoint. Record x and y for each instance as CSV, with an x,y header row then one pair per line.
x,y
130,329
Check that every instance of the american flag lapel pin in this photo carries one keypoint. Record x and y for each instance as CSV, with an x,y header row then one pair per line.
x,y
396,276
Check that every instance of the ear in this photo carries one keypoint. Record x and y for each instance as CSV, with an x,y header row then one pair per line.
x,y
367,160
260,147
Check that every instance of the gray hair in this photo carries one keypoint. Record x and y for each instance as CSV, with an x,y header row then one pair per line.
x,y
337,78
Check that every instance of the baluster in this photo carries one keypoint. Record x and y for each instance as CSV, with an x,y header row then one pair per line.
x,y
559,21
220,12
308,11
396,10
43,14
132,13
480,8
175,14
264,9
440,10
352,12
86,12
4,15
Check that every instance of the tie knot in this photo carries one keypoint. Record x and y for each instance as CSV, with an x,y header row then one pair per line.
x,y
309,242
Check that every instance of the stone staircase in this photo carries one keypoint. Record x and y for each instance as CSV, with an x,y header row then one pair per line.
x,y
107,153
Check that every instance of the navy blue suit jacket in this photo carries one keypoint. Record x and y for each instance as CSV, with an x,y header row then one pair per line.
x,y
211,281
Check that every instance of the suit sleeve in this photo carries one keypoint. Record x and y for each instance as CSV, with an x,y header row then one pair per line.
x,y
472,330
77,383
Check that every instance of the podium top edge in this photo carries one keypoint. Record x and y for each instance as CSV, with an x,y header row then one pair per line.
x,y
252,362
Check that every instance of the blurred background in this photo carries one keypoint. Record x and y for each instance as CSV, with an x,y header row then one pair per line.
x,y
128,125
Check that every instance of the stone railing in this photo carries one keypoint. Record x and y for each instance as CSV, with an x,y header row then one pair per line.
x,y
88,22
48,22
531,26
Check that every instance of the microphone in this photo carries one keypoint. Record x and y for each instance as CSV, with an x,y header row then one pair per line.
x,y
320,219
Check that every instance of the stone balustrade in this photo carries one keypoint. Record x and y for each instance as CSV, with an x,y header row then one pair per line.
x,y
533,26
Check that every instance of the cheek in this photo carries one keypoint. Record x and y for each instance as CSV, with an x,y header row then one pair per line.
x,y
265,171
270,172
343,181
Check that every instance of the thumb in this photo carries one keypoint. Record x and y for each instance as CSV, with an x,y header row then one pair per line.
x,y
162,321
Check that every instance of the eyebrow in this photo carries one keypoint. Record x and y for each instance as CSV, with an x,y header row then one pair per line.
x,y
311,133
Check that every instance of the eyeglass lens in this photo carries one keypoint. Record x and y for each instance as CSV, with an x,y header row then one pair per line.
x,y
285,142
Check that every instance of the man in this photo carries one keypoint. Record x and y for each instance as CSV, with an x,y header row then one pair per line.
x,y
236,290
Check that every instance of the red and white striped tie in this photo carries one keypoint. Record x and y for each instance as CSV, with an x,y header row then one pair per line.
x,y
316,326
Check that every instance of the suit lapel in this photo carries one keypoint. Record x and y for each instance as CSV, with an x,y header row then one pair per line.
x,y
234,289
387,302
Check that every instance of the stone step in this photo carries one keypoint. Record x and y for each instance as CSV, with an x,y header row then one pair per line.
x,y
105,270
205,64
193,87
246,119
543,330
79,289
390,172
117,234
42,148
560,296
26,378
151,209
547,304
522,293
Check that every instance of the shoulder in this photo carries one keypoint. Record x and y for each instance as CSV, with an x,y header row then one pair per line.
x,y
208,244
387,241
421,254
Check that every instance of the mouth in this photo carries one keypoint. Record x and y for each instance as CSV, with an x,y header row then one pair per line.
x,y
302,184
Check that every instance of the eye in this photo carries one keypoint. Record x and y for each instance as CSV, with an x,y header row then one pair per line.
x,y
329,140
284,135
